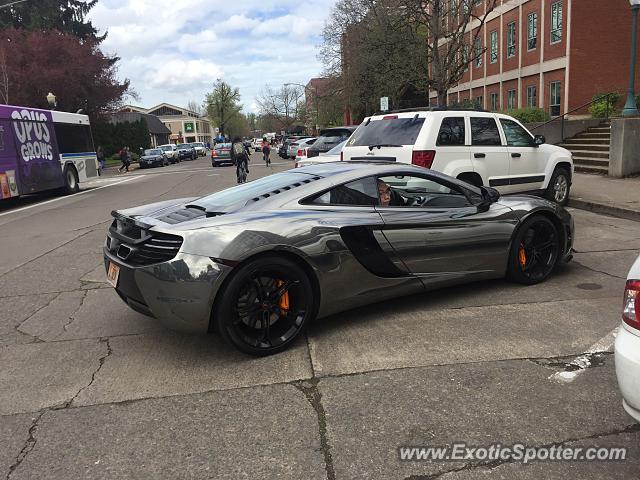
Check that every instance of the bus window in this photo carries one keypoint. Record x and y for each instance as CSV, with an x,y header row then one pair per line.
x,y
73,138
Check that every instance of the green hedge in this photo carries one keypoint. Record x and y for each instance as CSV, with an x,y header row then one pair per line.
x,y
528,114
598,108
112,137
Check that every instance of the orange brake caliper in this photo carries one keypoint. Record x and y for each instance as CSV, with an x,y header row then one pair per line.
x,y
284,299
522,256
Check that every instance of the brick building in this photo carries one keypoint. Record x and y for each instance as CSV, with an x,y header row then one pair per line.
x,y
553,54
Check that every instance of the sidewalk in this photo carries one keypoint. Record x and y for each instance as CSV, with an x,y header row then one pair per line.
x,y
618,197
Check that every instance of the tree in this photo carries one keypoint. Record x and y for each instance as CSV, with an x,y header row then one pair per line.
x,y
75,70
284,105
222,104
195,107
66,16
399,49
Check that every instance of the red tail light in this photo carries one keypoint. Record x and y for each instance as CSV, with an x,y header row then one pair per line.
x,y
213,153
423,158
300,152
631,304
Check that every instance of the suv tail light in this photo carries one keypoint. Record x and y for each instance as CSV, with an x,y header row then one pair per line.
x,y
631,304
213,153
423,158
300,152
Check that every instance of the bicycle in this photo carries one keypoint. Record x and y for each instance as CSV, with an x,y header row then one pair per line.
x,y
241,173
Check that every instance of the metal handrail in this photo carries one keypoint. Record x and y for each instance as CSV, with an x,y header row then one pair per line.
x,y
561,117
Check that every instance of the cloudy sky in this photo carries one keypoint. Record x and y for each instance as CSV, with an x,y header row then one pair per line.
x,y
173,50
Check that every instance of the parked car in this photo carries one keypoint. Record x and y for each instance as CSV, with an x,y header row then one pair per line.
x,y
333,155
256,144
282,151
627,347
227,259
153,157
186,151
292,147
170,150
200,148
478,147
329,138
303,146
221,154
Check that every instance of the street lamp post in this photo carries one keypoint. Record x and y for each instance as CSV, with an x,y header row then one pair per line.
x,y
630,108
51,99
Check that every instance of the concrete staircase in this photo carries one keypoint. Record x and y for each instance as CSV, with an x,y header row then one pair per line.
x,y
591,149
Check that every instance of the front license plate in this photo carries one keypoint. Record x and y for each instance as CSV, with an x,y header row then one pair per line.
x,y
112,274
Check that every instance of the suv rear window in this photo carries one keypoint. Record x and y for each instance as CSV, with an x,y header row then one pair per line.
x,y
392,131
330,139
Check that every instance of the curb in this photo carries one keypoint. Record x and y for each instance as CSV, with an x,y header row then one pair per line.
x,y
612,211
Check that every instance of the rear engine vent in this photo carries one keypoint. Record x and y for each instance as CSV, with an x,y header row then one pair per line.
x,y
283,189
161,247
183,215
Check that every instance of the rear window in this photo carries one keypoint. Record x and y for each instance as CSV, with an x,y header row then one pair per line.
x,y
392,131
330,139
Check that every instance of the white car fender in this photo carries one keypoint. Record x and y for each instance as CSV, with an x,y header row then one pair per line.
x,y
453,168
557,155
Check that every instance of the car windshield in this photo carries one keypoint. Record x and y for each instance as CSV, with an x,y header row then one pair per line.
x,y
330,139
184,145
242,193
337,149
153,151
166,148
223,145
390,131
197,144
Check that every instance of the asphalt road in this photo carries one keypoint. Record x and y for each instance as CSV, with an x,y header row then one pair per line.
x,y
91,389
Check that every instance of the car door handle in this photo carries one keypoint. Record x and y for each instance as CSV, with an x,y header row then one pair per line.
x,y
479,155
516,155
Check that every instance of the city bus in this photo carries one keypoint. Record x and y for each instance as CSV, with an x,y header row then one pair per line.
x,y
44,150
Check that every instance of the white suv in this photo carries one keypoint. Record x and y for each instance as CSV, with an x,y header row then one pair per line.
x,y
478,147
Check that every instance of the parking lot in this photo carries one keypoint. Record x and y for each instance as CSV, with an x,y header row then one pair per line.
x,y
91,389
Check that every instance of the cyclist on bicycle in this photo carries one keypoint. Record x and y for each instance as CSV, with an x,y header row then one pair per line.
x,y
240,159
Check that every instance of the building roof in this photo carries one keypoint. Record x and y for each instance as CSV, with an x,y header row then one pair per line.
x,y
156,127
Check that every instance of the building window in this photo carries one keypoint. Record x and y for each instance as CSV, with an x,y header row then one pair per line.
x,y
554,103
511,40
532,96
495,102
479,101
478,52
532,31
556,22
511,100
494,47
465,57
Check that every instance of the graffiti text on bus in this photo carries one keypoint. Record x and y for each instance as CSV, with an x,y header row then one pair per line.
x,y
33,134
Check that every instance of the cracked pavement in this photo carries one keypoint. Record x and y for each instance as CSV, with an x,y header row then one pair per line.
x,y
91,389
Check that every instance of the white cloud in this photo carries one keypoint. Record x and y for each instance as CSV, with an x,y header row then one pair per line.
x,y
173,50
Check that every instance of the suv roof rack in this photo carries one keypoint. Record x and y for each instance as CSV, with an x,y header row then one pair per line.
x,y
434,109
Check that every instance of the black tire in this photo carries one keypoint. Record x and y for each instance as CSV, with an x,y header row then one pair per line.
x,y
71,184
559,187
253,289
534,252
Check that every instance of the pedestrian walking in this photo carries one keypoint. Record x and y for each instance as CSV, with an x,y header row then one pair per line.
x,y
125,158
100,155
266,151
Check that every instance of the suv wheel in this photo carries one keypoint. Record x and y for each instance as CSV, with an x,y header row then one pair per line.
x,y
559,186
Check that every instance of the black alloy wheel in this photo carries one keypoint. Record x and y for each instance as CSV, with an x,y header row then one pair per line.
x,y
265,306
535,251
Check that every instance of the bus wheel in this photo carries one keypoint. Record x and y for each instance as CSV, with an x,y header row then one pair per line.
x,y
71,180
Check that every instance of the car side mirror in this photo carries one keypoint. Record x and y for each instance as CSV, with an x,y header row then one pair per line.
x,y
539,140
489,195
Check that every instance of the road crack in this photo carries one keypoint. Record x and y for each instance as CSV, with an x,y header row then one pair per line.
x,y
35,337
28,446
598,271
310,390
72,317
101,362
498,463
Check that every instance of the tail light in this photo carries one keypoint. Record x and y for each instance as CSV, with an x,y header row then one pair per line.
x,y
299,153
631,304
213,153
423,158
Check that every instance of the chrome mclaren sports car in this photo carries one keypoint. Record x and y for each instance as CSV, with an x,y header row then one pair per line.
x,y
257,262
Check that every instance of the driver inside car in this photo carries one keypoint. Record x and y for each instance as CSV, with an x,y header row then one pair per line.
x,y
388,196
